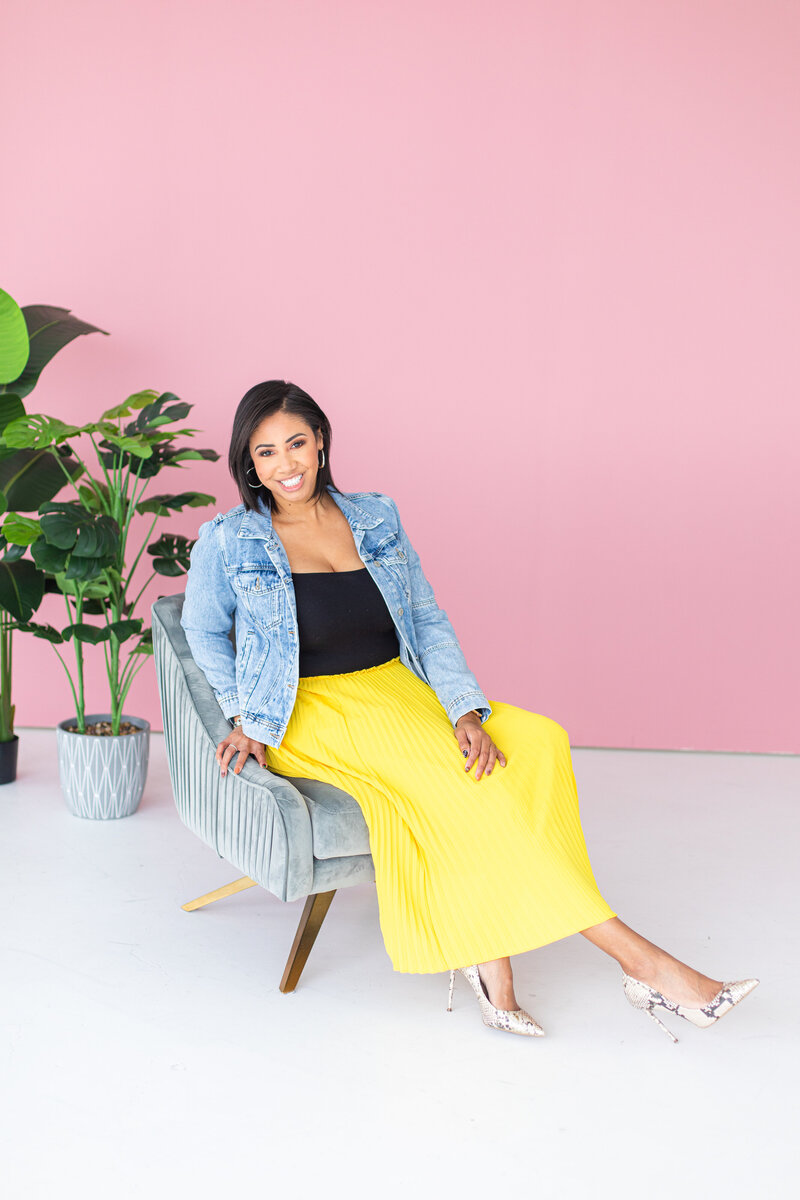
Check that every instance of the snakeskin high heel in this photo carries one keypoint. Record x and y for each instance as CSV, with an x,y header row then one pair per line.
x,y
510,1020
642,996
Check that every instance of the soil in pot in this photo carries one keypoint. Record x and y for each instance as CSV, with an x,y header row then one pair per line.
x,y
103,728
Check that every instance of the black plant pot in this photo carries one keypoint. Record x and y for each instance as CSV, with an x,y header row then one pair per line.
x,y
8,760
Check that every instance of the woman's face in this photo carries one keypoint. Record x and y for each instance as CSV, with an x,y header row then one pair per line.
x,y
285,453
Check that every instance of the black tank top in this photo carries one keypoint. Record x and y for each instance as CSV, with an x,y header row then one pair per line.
x,y
343,622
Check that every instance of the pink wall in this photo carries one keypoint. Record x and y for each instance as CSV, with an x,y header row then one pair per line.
x,y
538,261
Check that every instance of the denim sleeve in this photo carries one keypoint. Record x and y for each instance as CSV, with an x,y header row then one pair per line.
x,y
440,652
208,609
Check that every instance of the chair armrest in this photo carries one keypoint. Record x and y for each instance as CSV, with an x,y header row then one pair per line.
x,y
258,821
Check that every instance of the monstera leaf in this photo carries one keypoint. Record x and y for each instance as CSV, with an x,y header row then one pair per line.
x,y
164,505
75,543
171,554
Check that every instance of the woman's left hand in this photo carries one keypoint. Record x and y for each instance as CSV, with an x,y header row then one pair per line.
x,y
476,745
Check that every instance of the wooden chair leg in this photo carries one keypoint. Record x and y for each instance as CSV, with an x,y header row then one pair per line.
x,y
314,912
229,889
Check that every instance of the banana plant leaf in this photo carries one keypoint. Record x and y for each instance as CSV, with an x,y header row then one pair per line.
x,y
32,477
14,341
11,408
21,588
49,330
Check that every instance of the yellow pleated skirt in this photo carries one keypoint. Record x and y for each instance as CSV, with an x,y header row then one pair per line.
x,y
466,871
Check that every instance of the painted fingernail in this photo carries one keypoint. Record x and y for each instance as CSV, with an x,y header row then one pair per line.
x,y
465,753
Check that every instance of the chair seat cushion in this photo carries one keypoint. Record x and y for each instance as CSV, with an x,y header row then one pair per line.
x,y
338,828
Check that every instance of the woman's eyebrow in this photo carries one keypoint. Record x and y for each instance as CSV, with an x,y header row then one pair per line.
x,y
271,445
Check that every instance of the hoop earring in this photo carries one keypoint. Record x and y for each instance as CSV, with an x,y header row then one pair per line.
x,y
322,464
254,486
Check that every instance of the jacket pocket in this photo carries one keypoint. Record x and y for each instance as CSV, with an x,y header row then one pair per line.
x,y
261,594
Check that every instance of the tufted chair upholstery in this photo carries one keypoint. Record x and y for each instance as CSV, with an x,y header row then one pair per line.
x,y
294,837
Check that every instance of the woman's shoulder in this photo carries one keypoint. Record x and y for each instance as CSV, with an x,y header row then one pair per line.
x,y
374,504
229,519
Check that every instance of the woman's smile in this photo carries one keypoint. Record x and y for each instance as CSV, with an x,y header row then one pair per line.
x,y
293,483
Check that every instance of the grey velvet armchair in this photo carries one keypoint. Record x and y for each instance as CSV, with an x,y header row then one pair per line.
x,y
294,837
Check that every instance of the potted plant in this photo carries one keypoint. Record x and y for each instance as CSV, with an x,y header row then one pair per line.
x,y
83,545
29,338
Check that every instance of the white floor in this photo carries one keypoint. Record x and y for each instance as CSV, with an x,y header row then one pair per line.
x,y
148,1052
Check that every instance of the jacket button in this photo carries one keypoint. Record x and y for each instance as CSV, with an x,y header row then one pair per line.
x,y
400,611
401,554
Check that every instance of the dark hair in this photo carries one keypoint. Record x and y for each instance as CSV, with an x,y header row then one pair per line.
x,y
276,395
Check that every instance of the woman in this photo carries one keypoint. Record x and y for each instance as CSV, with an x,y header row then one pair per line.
x,y
347,671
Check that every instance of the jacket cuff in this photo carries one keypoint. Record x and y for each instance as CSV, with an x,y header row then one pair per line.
x,y
461,707
229,703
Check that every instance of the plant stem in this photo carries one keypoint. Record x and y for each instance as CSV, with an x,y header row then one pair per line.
x,y
6,716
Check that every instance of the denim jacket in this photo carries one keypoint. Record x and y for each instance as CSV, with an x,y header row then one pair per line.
x,y
239,569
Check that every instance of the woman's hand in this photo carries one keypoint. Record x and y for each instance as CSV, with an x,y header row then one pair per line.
x,y
476,745
239,743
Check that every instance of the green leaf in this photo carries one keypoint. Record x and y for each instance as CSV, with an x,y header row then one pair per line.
x,y
176,456
162,411
11,553
92,635
32,477
165,504
90,499
3,503
141,399
14,343
145,643
70,527
21,588
21,531
171,554
49,330
96,591
132,445
47,632
49,558
37,431
122,630
11,408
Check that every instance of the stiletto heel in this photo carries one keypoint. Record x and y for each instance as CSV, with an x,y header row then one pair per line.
x,y
511,1021
661,1024
641,995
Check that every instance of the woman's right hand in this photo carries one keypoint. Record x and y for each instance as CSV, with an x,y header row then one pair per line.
x,y
239,743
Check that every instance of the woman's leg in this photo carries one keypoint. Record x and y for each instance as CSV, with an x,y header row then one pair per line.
x,y
637,957
499,983
648,962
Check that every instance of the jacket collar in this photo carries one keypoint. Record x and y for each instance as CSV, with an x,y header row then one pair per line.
x,y
259,524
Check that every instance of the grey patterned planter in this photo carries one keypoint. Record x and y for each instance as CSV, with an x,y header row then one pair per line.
x,y
103,777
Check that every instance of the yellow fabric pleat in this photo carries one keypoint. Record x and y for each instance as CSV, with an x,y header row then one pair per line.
x,y
466,871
